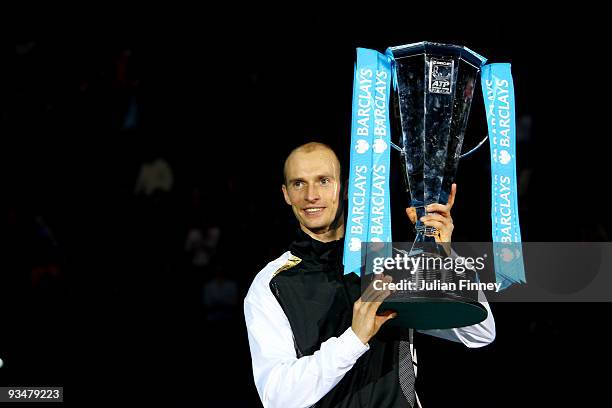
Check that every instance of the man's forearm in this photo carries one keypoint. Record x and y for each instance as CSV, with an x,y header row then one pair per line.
x,y
303,382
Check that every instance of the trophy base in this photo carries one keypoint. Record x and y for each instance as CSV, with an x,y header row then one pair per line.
x,y
432,295
427,313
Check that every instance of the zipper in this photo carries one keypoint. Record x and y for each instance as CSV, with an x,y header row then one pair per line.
x,y
298,352
347,296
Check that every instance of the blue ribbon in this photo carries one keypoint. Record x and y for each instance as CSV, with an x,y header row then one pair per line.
x,y
380,211
498,92
369,218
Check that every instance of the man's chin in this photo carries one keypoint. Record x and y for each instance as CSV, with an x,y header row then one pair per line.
x,y
317,228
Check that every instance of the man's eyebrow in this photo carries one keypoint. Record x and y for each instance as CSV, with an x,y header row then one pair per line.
x,y
317,176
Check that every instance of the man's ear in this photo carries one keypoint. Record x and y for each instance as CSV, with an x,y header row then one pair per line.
x,y
345,189
287,200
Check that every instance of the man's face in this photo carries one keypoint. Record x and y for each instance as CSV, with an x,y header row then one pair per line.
x,y
313,189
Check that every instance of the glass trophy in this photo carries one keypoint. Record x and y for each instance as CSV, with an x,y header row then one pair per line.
x,y
435,85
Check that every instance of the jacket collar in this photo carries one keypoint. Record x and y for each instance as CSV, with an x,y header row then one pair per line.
x,y
310,249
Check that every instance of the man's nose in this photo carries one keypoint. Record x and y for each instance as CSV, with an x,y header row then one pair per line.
x,y
312,193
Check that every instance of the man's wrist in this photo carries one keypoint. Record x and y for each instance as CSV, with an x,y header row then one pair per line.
x,y
354,342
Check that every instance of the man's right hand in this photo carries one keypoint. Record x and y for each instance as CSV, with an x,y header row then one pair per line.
x,y
366,321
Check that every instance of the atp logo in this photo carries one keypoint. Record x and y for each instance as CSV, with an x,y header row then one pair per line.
x,y
362,146
379,146
441,73
504,157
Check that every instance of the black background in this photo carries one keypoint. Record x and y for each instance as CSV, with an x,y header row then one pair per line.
x,y
223,97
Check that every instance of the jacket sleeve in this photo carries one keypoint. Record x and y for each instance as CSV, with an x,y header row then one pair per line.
x,y
282,379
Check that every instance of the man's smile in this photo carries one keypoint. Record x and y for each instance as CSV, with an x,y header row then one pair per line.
x,y
313,211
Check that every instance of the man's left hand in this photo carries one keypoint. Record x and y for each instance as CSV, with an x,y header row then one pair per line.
x,y
439,216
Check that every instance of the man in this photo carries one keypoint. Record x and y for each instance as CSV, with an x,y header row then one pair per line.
x,y
313,340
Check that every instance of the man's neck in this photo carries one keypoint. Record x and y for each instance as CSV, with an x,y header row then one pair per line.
x,y
326,236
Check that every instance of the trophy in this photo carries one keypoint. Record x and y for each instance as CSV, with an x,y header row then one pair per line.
x,y
433,89
434,86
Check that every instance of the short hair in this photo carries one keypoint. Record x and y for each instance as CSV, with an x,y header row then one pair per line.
x,y
307,148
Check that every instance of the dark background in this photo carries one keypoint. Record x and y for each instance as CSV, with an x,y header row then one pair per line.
x,y
98,292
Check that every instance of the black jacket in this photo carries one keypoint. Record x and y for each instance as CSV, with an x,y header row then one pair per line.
x,y
318,301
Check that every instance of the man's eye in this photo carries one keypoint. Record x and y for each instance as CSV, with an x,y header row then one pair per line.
x,y
297,184
324,181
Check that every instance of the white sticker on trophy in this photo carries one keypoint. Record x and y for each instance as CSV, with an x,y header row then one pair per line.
x,y
441,76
